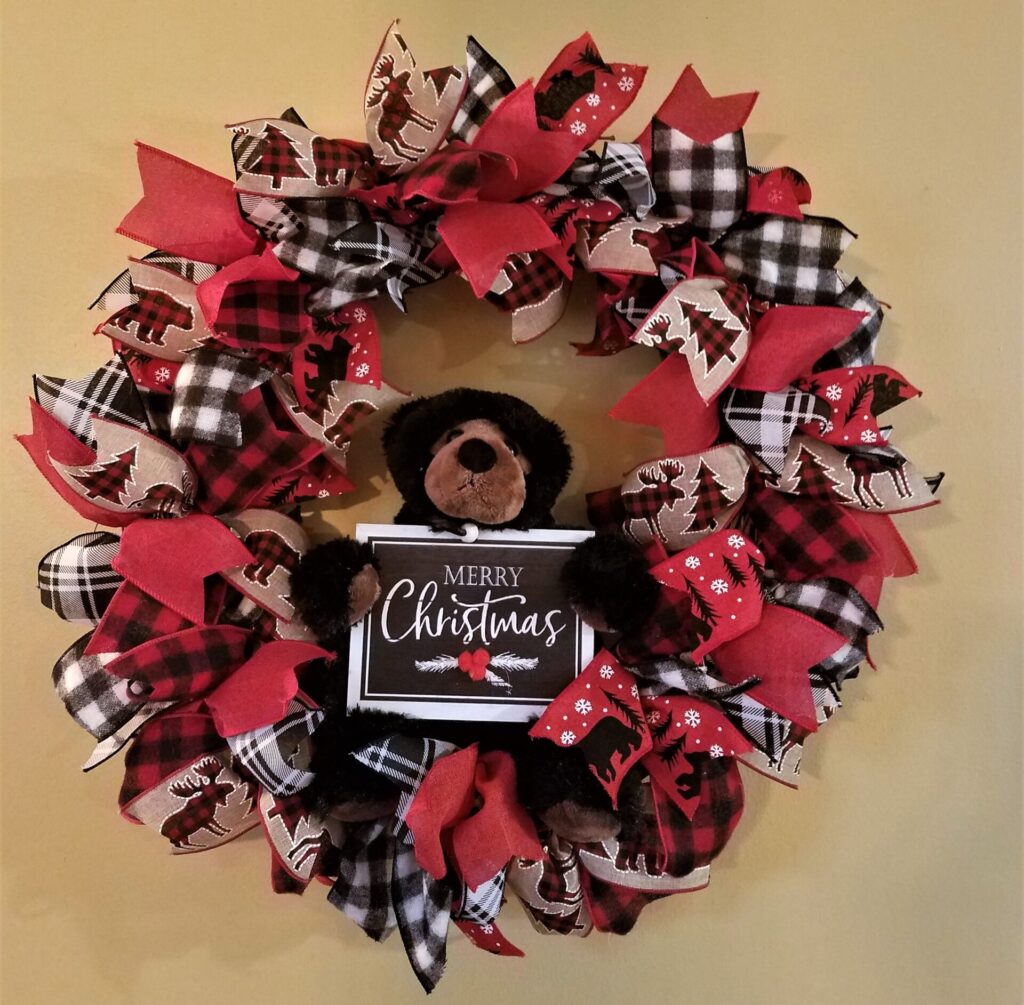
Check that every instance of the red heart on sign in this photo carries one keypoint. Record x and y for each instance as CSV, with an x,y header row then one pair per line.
x,y
474,663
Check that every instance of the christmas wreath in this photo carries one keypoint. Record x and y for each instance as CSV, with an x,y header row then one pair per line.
x,y
247,356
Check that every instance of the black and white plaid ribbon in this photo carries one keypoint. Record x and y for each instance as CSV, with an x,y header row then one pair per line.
x,y
76,580
619,174
764,421
108,392
859,348
833,602
786,260
276,755
380,884
705,183
207,392
481,906
404,760
487,84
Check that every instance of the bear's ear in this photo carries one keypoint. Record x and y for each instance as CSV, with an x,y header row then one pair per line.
x,y
406,449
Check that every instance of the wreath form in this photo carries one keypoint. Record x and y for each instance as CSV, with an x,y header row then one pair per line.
x,y
247,354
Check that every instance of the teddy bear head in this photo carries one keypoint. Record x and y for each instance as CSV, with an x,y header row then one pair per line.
x,y
476,456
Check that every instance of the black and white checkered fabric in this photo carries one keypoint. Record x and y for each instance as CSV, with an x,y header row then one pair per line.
x,y
119,292
271,217
108,392
704,182
423,907
825,694
487,83
859,348
110,745
680,674
274,754
764,421
76,580
362,890
414,271
98,701
158,406
481,906
381,886
207,392
786,260
842,664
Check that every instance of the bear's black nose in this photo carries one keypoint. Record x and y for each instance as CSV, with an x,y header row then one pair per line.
x,y
477,456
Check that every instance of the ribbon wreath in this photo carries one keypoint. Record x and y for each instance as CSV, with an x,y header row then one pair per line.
x,y
246,357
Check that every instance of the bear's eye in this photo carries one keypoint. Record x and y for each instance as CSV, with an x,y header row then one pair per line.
x,y
452,434
513,449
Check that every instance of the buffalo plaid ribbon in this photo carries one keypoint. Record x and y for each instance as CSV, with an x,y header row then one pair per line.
x,y
131,618
108,392
664,849
76,580
261,314
764,421
207,396
271,754
804,537
185,665
154,312
705,183
232,478
163,746
834,603
487,83
533,277
786,260
859,348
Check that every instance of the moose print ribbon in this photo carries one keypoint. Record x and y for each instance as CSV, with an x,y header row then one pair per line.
x,y
599,713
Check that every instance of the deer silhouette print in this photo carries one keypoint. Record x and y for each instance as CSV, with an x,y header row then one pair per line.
x,y
203,794
392,94
864,467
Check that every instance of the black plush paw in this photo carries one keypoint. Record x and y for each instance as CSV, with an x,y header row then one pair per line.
x,y
556,785
334,585
607,581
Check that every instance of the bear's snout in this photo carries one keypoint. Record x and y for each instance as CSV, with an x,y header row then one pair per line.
x,y
477,455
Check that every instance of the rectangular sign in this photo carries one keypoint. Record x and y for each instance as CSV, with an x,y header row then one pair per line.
x,y
470,631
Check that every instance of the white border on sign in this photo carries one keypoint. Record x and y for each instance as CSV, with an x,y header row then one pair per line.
x,y
498,709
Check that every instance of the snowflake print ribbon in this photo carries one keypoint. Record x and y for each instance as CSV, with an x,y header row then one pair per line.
x,y
600,714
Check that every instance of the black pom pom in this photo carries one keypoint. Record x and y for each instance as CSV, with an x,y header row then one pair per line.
x,y
609,576
321,587
547,774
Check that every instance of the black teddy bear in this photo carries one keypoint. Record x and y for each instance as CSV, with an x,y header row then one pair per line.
x,y
461,458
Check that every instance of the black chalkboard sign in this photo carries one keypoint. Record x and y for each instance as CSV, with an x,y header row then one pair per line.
x,y
466,630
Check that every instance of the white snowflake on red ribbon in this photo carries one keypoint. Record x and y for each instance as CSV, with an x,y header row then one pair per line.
x,y
626,83
578,128
868,436
568,737
833,392
606,671
363,369
719,586
716,750
691,717
736,541
583,706
692,562
593,100
359,314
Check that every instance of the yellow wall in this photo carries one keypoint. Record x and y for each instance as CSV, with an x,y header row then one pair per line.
x,y
893,875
